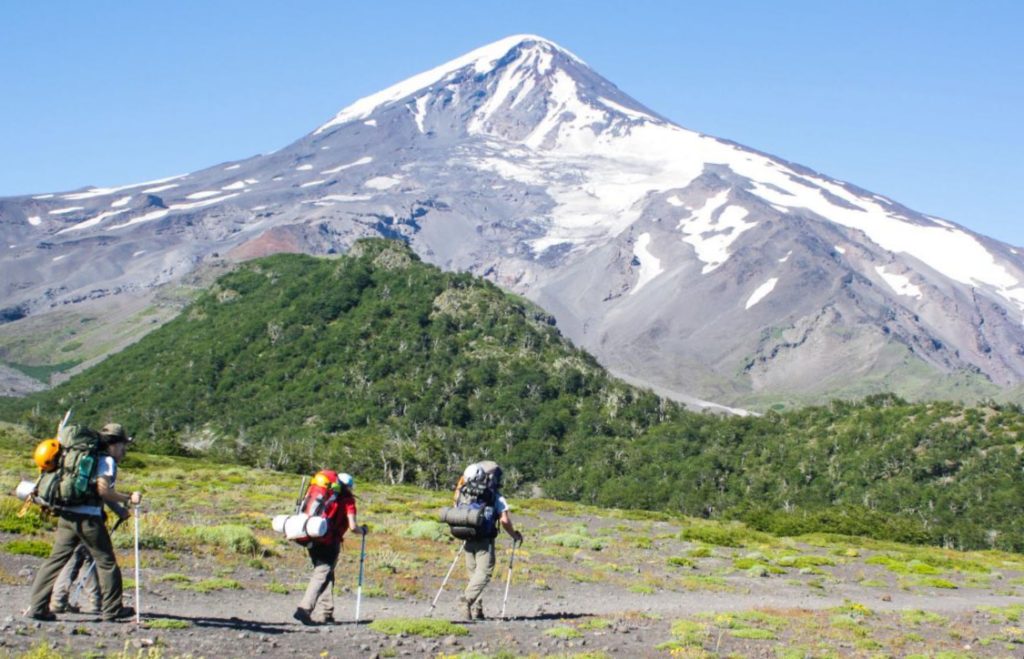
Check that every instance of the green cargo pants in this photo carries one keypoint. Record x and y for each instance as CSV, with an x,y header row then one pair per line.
x,y
89,530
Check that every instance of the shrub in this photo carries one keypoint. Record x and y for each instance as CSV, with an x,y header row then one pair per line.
x,y
723,535
209,585
239,539
563,632
28,548
427,530
30,522
575,541
418,627
166,623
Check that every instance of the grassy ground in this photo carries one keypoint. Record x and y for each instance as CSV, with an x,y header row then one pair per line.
x,y
588,582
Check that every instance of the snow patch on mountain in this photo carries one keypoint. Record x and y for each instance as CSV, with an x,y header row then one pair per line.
x,y
650,265
160,188
382,182
362,161
761,291
99,192
91,222
204,194
712,228
899,283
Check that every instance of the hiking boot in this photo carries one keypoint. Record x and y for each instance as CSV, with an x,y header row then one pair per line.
x,y
302,615
326,620
478,614
60,608
121,614
464,609
44,616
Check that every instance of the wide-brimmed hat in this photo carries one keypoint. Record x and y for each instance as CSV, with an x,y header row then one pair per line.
x,y
113,433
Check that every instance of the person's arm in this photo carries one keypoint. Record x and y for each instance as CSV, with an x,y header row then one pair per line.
x,y
506,523
112,497
350,511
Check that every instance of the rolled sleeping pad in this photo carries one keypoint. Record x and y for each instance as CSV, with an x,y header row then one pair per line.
x,y
278,523
473,517
25,489
298,527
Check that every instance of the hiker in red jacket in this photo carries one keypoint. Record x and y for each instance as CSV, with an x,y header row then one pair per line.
x,y
336,503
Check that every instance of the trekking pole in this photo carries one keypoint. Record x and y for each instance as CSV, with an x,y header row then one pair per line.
x,y
508,582
434,603
81,582
362,557
138,602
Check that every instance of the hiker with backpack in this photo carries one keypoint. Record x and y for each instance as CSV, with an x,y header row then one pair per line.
x,y
81,482
330,497
479,508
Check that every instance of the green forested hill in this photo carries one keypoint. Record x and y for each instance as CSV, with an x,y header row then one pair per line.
x,y
387,367
374,360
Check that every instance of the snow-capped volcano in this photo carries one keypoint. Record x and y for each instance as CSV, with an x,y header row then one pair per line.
x,y
685,262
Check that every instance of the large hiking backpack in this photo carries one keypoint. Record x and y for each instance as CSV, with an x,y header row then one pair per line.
x,y
476,496
73,482
310,523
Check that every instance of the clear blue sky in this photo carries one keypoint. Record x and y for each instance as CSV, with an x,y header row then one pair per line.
x,y
921,101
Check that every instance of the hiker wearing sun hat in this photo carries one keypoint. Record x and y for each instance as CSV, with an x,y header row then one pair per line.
x,y
81,521
329,496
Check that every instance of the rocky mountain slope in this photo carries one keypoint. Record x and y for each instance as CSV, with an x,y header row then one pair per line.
x,y
687,263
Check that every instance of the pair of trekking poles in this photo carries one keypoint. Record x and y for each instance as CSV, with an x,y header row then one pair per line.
x,y
508,580
138,577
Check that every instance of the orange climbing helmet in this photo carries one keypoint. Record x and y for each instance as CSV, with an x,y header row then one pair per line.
x,y
47,454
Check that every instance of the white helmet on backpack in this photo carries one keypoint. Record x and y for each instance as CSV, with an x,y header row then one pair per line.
x,y
473,473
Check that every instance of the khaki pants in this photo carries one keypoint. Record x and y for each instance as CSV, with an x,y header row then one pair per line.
x,y
72,530
79,567
319,597
480,566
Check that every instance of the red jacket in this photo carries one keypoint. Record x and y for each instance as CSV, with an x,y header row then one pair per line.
x,y
337,513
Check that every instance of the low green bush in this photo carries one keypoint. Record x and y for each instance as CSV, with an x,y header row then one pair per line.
x,y
418,627
239,539
427,530
563,632
28,548
723,534
31,522
210,585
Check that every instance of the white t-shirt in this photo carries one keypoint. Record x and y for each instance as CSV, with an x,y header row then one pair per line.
x,y
107,468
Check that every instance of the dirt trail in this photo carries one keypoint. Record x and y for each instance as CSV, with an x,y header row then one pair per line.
x,y
601,617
